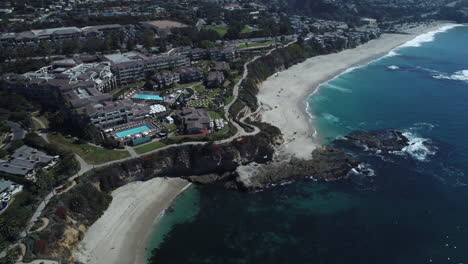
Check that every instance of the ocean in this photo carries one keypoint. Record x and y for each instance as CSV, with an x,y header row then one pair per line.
x,y
413,210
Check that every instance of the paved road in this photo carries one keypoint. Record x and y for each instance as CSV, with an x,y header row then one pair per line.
x,y
43,126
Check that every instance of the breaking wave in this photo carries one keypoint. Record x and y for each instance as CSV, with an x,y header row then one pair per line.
x,y
428,37
418,147
457,76
393,67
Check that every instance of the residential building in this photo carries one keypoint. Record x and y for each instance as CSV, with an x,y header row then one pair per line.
x,y
194,121
164,79
25,161
223,54
190,74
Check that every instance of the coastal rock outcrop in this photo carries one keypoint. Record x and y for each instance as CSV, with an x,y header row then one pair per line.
x,y
327,164
385,141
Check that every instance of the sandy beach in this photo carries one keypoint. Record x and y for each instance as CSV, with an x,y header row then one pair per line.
x,y
122,233
286,94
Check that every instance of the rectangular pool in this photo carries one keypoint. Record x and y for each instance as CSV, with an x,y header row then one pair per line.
x,y
132,131
148,97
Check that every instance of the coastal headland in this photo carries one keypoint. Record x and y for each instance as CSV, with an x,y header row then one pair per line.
x,y
119,236
285,94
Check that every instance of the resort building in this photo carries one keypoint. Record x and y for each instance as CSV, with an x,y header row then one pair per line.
x,y
112,113
132,67
67,81
162,27
223,54
190,74
164,79
215,79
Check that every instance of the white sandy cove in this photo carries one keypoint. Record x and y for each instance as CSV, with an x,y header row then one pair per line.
x,y
121,234
286,94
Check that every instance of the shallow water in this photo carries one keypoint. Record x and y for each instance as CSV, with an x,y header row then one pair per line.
x,y
413,210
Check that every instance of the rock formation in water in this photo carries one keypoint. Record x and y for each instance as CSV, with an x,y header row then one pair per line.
x,y
385,141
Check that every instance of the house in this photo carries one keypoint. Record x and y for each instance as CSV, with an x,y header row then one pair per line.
x,y
194,121
215,79
25,161
8,189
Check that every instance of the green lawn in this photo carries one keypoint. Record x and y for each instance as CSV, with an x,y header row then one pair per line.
x,y
220,30
246,29
260,44
171,127
185,85
200,88
223,131
214,115
229,99
91,154
149,147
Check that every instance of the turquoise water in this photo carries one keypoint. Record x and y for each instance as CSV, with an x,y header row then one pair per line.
x,y
148,97
414,210
132,131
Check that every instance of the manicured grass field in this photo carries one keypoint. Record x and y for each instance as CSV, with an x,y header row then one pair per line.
x,y
246,29
260,44
223,131
214,115
220,30
149,147
91,154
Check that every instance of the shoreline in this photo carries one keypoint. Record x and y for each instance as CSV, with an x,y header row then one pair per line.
x,y
122,233
288,108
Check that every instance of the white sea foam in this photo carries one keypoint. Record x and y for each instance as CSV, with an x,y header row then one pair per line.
x,y
457,76
338,88
428,70
428,37
393,67
331,118
418,147
392,53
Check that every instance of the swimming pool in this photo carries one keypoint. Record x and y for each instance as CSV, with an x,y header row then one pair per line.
x,y
132,131
148,97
